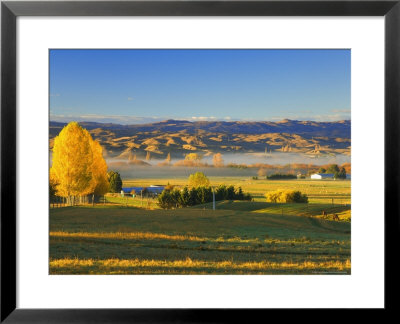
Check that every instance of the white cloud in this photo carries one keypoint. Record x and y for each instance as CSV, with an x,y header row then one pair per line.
x,y
126,120
202,118
116,119
318,118
129,120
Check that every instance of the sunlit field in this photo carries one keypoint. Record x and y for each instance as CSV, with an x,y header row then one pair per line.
x,y
134,236
318,191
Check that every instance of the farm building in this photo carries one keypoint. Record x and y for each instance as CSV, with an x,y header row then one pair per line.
x,y
320,176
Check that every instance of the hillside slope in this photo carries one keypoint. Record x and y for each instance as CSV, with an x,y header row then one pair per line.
x,y
179,137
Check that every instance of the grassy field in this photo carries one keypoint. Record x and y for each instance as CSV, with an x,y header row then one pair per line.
x,y
318,191
128,236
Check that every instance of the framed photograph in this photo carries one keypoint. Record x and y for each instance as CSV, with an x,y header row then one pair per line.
x,y
163,158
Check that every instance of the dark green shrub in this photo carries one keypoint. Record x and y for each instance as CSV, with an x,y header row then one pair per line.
x,y
184,198
220,193
280,176
341,174
165,200
115,181
239,195
193,200
204,195
333,168
230,191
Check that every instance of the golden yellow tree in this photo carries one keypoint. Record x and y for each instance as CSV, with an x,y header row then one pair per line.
x,y
193,157
198,179
78,165
99,182
148,157
262,173
72,160
218,160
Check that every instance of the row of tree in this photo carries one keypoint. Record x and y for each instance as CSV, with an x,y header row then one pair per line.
x,y
195,160
186,197
338,173
281,176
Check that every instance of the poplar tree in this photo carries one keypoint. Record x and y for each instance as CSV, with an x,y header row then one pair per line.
x,y
99,183
78,166
198,179
72,160
218,160
148,157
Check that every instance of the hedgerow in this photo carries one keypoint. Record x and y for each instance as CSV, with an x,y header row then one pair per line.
x,y
199,195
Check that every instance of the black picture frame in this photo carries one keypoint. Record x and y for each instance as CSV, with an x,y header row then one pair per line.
x,y
10,10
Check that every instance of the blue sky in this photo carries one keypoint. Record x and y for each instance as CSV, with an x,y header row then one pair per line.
x,y
137,86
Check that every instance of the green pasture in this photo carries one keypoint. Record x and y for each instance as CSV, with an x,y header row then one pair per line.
x,y
318,191
129,201
129,236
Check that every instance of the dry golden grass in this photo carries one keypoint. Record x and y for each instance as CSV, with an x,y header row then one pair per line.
x,y
120,265
189,238
131,236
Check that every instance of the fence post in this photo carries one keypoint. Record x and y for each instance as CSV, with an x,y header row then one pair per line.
x,y
213,199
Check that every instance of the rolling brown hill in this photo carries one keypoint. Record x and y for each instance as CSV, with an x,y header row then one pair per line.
x,y
177,137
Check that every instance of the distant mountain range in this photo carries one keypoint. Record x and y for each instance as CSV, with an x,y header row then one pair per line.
x,y
179,137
